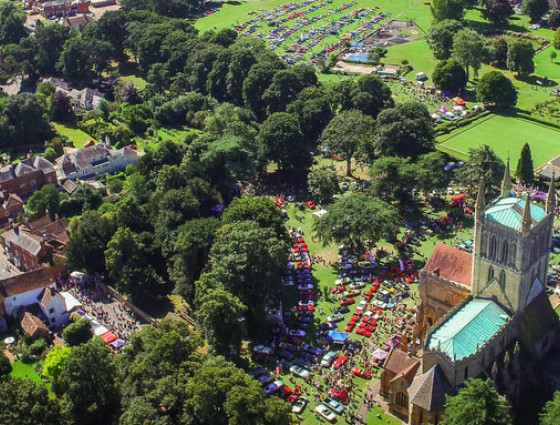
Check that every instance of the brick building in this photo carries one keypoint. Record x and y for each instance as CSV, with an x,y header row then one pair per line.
x,y
25,177
30,244
10,208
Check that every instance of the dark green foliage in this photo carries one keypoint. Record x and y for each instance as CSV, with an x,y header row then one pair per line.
x,y
535,9
12,19
45,199
77,333
470,49
449,75
259,209
495,89
554,18
525,171
498,11
551,411
520,57
440,37
322,185
482,163
62,109
25,403
500,47
406,130
355,220
448,9
5,366
476,403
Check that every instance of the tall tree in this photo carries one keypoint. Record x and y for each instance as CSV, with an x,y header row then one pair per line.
x,y
440,37
477,403
12,19
371,95
45,199
495,89
406,130
221,315
498,11
259,209
520,57
349,134
449,75
392,174
77,333
469,48
355,220
448,9
525,171
535,9
551,411
322,185
52,367
482,163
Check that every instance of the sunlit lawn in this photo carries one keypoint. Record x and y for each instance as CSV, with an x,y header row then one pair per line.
x,y
77,136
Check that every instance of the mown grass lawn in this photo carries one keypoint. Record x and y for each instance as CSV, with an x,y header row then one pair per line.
x,y
506,136
74,134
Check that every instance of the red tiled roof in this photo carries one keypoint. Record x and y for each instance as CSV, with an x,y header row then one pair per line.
x,y
400,362
451,264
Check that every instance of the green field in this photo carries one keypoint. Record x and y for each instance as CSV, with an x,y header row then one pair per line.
x,y
75,135
506,136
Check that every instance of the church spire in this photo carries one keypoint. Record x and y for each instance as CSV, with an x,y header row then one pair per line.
x,y
551,197
506,182
480,204
526,219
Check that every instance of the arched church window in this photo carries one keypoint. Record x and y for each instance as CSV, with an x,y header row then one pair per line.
x,y
401,399
502,278
513,253
505,251
484,247
490,273
492,253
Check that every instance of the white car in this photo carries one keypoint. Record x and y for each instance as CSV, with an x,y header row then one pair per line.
x,y
357,285
306,287
328,358
325,413
380,304
337,317
351,293
342,281
262,349
299,405
361,305
300,371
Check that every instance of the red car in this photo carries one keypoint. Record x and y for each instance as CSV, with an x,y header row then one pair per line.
x,y
361,372
309,204
306,307
341,361
363,332
338,289
340,395
346,301
350,326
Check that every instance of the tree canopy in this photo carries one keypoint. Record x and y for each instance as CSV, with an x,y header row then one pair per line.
x,y
495,89
449,75
525,171
482,163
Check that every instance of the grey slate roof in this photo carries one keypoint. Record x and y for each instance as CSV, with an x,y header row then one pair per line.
x,y
429,390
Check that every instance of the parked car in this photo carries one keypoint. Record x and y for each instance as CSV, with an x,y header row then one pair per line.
x,y
273,387
357,285
334,405
325,413
328,358
300,371
341,361
361,372
361,305
305,287
337,317
265,378
346,301
299,405
262,349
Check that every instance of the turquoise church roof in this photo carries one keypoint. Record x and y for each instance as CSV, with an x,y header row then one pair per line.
x,y
468,329
509,212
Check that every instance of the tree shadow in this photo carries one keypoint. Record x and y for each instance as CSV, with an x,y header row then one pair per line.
x,y
536,80
486,27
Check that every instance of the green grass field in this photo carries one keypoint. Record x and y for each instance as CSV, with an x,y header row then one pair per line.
x,y
74,134
22,370
507,135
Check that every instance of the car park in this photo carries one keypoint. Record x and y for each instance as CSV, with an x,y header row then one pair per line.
x,y
323,411
273,387
361,305
339,362
337,317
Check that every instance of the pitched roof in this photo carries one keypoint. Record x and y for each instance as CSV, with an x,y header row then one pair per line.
x,y
468,329
29,281
46,296
509,212
21,169
86,156
400,362
429,390
32,325
12,201
451,264
26,241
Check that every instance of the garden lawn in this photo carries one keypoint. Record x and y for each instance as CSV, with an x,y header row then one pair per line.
x,y
506,136
75,135
25,371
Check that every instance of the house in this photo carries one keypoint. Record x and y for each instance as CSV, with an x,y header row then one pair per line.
x,y
33,326
11,207
59,7
25,177
87,98
94,161
30,244
28,288
78,22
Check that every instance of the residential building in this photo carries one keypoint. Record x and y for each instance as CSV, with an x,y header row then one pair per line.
x,y
25,177
30,244
78,22
94,161
59,7
11,207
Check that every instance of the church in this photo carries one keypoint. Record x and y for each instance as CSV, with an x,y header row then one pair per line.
x,y
486,314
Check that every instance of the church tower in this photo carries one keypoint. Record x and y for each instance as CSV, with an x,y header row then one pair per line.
x,y
511,247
